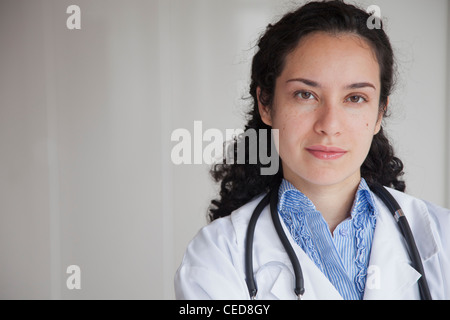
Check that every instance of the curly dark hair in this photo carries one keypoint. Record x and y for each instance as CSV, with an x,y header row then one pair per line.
x,y
241,182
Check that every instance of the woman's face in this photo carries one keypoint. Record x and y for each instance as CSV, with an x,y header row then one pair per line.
x,y
326,108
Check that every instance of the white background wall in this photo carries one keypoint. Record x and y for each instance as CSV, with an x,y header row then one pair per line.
x,y
86,118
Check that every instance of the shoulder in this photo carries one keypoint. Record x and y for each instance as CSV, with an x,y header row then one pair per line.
x,y
207,271
440,221
226,231
212,266
422,213
429,223
438,215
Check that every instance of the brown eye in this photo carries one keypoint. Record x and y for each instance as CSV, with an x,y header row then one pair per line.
x,y
356,99
305,95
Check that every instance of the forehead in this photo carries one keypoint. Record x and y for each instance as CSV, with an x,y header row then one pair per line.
x,y
332,58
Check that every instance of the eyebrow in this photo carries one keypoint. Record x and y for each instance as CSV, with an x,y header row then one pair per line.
x,y
315,84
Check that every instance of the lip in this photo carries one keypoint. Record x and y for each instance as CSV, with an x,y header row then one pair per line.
x,y
326,153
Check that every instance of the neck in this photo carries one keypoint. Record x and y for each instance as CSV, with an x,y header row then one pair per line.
x,y
334,202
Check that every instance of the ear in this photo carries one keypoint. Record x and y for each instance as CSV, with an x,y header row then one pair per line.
x,y
380,117
264,111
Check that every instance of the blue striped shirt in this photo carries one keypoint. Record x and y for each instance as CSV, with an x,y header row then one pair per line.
x,y
342,256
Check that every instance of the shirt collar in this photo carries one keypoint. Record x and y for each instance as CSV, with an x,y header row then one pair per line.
x,y
364,199
292,199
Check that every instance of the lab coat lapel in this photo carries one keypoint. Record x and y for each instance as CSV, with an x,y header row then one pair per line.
x,y
273,269
390,275
317,285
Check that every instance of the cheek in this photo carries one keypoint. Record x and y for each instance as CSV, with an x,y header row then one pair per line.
x,y
282,121
365,123
362,131
293,129
362,136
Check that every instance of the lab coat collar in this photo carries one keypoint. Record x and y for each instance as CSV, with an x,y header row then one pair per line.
x,y
390,275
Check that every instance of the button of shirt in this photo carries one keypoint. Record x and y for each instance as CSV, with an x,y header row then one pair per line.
x,y
343,232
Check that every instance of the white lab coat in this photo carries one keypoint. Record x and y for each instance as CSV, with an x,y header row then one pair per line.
x,y
213,265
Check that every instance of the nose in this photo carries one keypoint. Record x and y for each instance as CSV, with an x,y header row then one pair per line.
x,y
329,120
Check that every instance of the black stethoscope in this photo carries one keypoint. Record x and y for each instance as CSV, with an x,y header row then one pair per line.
x,y
299,289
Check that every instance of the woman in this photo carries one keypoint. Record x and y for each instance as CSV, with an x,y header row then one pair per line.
x,y
322,79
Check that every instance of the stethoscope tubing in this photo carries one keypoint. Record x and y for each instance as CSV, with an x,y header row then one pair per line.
x,y
299,288
272,199
251,283
405,230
